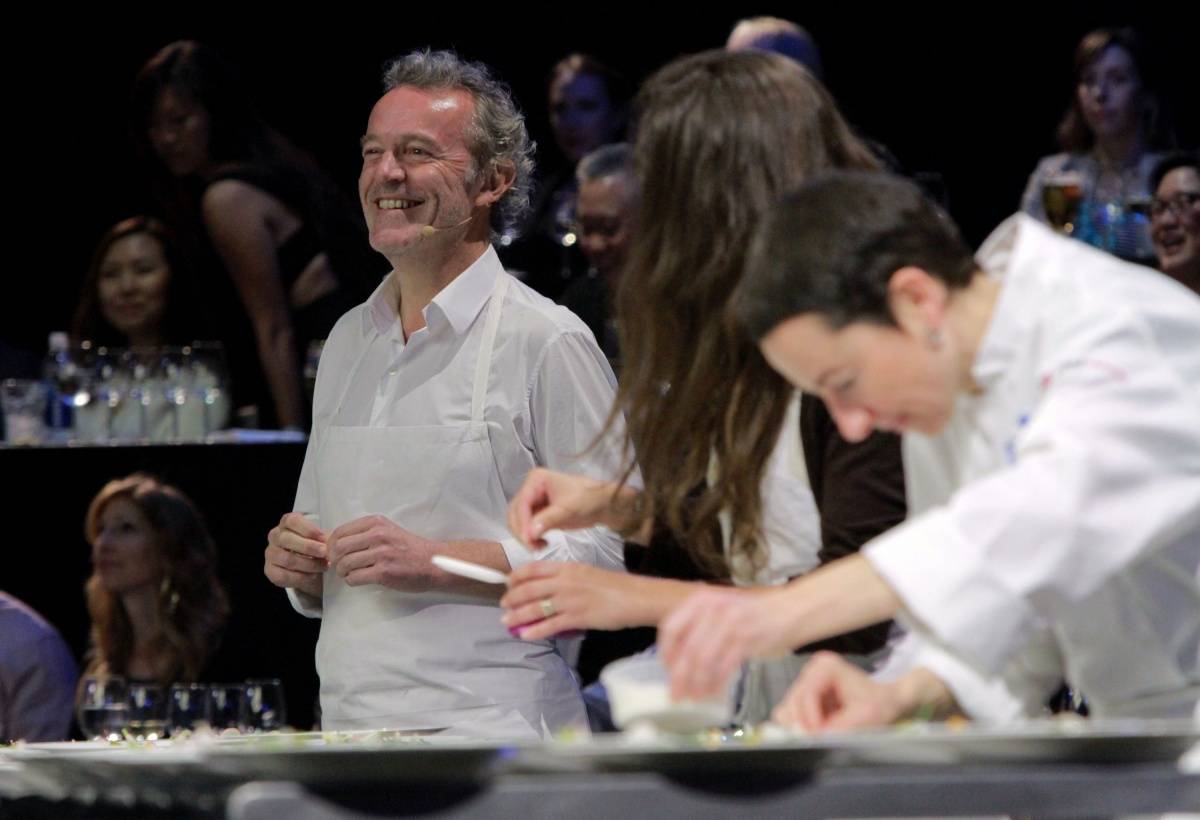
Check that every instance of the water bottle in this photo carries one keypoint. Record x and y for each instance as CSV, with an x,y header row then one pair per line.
x,y
61,374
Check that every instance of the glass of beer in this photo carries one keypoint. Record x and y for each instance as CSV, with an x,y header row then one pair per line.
x,y
1061,195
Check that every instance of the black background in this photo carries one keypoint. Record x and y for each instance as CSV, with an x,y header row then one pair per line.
x,y
971,92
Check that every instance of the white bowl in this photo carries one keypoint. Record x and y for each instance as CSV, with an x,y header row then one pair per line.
x,y
639,691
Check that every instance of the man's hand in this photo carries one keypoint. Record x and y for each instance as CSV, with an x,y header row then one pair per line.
x,y
548,500
296,555
831,694
375,550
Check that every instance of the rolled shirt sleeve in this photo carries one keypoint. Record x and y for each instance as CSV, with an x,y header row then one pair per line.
x,y
571,395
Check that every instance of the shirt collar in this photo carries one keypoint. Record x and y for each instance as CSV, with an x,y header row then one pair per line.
x,y
458,303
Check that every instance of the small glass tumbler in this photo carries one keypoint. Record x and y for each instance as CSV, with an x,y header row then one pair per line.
x,y
147,718
102,709
263,707
225,705
187,708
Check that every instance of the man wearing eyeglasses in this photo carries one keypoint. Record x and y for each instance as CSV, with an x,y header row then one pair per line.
x,y
1175,218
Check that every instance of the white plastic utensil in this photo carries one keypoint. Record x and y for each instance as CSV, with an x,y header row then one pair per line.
x,y
467,569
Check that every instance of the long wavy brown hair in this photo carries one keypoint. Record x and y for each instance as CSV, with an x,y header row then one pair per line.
x,y
192,605
718,138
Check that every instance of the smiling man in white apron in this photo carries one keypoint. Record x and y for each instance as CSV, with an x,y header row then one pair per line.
x,y
433,400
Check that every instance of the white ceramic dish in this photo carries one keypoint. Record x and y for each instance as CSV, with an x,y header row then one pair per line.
x,y
639,692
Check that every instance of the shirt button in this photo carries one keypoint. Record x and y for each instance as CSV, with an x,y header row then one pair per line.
x,y
391,372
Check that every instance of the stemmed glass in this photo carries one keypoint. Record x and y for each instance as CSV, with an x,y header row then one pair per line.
x,y
174,376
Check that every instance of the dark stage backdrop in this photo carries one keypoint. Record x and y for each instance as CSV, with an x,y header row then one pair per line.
x,y
972,93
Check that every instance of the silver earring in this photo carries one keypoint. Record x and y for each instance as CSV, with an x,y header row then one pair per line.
x,y
934,337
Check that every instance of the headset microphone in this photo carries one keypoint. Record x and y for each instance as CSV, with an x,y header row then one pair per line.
x,y
430,230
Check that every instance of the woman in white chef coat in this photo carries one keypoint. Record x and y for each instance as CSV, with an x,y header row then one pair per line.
x,y
1049,396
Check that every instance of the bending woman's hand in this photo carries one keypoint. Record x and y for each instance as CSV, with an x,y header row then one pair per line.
x,y
549,500
705,639
831,694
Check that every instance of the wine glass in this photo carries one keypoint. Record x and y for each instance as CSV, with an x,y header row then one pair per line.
x,y
102,708
173,376
262,707
210,383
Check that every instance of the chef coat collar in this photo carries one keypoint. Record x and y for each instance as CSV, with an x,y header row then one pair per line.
x,y
1007,249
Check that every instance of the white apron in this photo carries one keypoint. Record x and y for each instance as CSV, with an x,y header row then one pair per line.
x,y
404,660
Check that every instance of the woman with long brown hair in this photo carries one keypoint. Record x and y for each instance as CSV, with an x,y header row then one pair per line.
x,y
156,605
1098,189
719,137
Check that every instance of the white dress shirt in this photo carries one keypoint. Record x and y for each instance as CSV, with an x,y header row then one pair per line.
x,y
551,385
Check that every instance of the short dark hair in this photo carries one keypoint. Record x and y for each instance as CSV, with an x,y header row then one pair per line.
x,y
832,246
1179,159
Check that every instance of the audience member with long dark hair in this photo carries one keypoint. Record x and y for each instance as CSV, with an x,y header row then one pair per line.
x,y
137,292
248,201
156,604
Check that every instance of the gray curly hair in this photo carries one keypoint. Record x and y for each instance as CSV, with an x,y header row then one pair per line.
x,y
497,131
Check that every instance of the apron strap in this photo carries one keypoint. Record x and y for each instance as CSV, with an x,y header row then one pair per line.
x,y
483,361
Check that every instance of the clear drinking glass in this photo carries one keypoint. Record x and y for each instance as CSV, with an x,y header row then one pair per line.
x,y
1061,196
102,710
262,708
210,383
147,711
187,708
225,705
174,376
24,403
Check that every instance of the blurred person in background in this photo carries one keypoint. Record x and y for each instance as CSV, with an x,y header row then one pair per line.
x,y
1175,218
780,36
136,292
156,604
604,216
1098,189
37,676
246,201
588,104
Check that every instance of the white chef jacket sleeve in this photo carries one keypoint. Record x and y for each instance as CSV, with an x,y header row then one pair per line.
x,y
1105,470
1021,690
571,394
